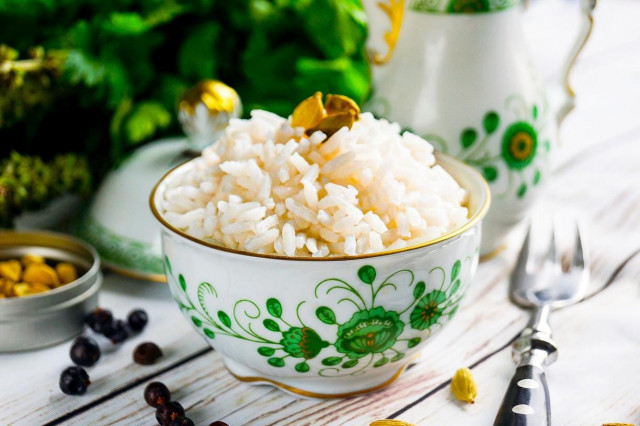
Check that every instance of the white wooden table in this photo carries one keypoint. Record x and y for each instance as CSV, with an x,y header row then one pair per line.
x,y
596,379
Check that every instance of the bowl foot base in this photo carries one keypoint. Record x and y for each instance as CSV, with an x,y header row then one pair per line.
x,y
320,387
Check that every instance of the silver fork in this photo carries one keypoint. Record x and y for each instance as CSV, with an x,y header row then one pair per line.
x,y
540,286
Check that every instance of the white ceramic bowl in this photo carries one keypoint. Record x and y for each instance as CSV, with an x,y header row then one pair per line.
x,y
323,327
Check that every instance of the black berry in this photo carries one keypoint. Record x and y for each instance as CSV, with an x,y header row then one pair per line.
x,y
146,353
169,411
98,319
74,381
156,394
84,351
182,421
218,423
116,331
137,319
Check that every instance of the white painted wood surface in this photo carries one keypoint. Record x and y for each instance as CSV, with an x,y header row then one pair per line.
x,y
594,381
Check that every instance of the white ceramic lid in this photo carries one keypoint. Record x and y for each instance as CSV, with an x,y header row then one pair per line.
x,y
119,223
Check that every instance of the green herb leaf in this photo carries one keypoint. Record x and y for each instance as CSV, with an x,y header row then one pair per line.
x,y
145,120
346,19
81,68
197,55
125,24
349,77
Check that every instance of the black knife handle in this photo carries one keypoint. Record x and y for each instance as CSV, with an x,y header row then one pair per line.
x,y
526,402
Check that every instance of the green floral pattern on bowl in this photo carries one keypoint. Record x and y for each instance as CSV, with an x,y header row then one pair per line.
x,y
371,337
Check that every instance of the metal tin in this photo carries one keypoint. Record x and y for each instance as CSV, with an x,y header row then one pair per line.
x,y
54,316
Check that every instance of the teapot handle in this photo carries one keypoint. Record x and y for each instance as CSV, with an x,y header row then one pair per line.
x,y
394,9
567,96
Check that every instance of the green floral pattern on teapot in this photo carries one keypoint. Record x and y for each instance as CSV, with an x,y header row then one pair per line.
x,y
520,143
461,6
373,336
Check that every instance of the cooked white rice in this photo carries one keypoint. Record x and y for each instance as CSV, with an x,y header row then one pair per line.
x,y
266,188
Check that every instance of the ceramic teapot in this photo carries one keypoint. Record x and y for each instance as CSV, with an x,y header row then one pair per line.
x,y
457,72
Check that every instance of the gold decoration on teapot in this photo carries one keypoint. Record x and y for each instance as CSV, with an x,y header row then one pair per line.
x,y
394,9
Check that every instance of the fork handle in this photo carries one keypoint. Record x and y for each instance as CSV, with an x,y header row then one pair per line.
x,y
526,402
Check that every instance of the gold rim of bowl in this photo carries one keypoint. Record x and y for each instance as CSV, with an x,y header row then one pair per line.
x,y
477,216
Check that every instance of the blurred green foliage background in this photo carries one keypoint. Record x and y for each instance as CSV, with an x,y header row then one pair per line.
x,y
95,78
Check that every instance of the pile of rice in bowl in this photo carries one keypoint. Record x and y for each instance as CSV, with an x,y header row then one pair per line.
x,y
266,187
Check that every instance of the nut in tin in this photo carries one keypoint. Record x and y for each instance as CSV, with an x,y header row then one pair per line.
x,y
56,315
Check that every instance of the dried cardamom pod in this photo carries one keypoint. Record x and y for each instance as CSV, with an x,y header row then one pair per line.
x,y
390,422
38,288
331,124
463,386
41,273
28,259
66,272
337,112
309,112
22,289
336,104
6,287
11,270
